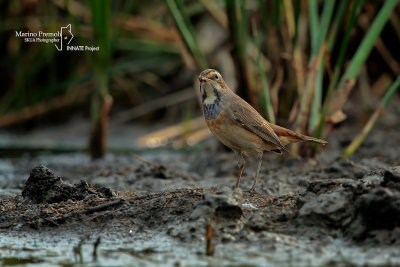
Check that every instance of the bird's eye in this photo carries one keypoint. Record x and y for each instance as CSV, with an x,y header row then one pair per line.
x,y
216,77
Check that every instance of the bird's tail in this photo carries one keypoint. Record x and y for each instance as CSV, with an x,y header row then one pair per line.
x,y
288,136
315,140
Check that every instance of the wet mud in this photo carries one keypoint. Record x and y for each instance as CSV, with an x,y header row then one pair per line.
x,y
333,204
181,208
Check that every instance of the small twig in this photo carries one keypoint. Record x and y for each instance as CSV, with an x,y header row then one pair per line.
x,y
95,246
195,192
104,206
5,226
98,135
101,207
152,164
210,248
78,249
161,169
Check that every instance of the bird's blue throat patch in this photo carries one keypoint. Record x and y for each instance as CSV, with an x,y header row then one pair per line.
x,y
212,111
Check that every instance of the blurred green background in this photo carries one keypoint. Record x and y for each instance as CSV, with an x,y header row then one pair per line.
x,y
295,61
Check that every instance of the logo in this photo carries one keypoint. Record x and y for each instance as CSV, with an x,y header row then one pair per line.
x,y
61,39
66,36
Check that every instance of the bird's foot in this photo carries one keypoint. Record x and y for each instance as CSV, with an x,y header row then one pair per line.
x,y
254,191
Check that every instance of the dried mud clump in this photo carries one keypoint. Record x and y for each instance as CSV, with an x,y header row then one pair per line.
x,y
225,204
368,208
43,186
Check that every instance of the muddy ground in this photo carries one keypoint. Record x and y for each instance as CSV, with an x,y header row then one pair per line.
x,y
327,211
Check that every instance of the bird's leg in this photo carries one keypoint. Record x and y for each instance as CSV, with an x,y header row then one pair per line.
x,y
260,158
240,162
240,175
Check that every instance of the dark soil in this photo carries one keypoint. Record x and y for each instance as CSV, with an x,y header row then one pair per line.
x,y
43,186
181,208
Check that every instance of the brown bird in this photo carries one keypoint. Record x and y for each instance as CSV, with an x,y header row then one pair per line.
x,y
239,126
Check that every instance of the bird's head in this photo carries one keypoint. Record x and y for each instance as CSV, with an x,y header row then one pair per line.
x,y
211,86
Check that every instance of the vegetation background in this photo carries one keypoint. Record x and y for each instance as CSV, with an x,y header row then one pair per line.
x,y
296,61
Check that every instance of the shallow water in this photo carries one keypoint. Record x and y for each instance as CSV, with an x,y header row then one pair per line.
x,y
41,249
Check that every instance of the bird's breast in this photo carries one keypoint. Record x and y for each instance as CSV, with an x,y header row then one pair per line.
x,y
212,110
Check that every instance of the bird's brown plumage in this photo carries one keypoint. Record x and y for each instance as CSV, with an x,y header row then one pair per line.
x,y
238,125
247,117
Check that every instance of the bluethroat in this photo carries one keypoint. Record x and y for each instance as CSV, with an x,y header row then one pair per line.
x,y
239,126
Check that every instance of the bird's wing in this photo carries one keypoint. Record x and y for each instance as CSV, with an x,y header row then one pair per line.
x,y
247,117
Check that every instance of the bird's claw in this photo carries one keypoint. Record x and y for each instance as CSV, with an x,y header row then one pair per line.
x,y
254,191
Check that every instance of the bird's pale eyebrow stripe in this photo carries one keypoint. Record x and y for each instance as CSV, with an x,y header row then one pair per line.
x,y
207,72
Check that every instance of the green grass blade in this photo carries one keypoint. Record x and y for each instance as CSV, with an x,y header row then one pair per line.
x,y
336,73
237,17
317,99
306,96
357,5
101,15
183,10
262,7
264,82
322,32
391,91
368,42
335,24
361,54
101,19
277,12
314,26
372,120
186,33
325,22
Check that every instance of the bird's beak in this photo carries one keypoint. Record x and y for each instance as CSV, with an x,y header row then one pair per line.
x,y
202,79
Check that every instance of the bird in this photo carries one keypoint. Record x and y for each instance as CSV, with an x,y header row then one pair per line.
x,y
237,125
